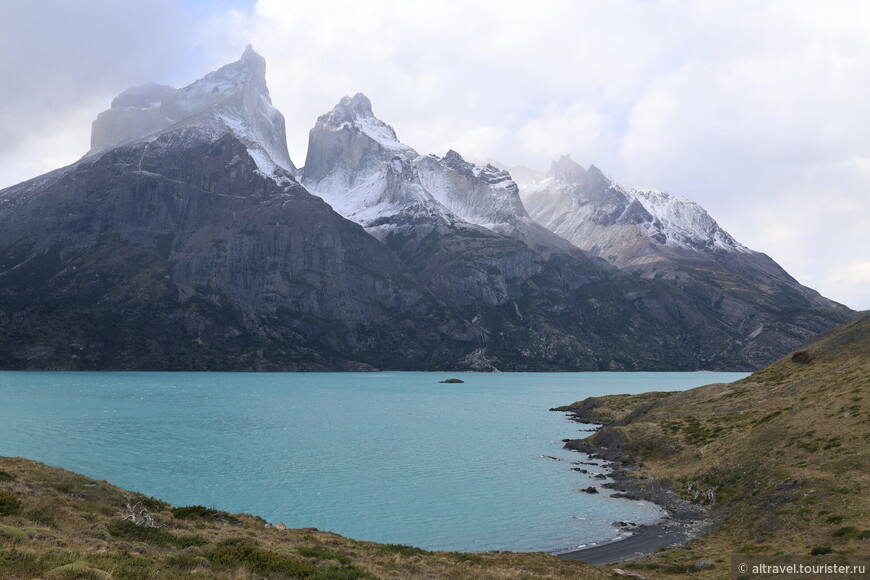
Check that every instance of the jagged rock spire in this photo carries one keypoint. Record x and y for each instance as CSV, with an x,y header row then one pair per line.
x,y
233,98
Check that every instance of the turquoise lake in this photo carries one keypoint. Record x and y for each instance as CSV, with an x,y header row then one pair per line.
x,y
390,457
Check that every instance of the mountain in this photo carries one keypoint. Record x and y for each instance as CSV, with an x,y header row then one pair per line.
x,y
655,235
463,231
234,97
357,164
453,221
184,240
192,246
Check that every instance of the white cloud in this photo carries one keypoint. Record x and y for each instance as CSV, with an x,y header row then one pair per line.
x,y
851,279
62,63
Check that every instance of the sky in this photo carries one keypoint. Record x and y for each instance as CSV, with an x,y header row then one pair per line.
x,y
755,109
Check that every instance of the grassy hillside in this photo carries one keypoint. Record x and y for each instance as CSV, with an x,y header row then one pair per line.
x,y
59,525
779,458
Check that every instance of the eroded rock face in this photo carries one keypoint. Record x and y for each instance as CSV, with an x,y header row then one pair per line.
x,y
209,249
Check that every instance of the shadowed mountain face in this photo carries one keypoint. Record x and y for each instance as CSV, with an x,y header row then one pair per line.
x,y
461,228
191,247
183,240
150,256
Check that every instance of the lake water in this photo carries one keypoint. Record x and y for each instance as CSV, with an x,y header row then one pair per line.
x,y
389,457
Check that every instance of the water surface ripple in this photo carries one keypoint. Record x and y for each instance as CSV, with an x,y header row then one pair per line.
x,y
389,457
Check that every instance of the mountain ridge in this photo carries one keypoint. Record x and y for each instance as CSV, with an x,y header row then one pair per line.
x,y
193,243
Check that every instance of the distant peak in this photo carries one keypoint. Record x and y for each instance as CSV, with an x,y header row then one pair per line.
x,y
253,64
356,112
453,156
455,161
566,169
250,53
361,104
349,108
594,171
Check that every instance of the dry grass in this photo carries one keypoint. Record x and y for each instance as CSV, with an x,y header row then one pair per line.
x,y
781,457
61,525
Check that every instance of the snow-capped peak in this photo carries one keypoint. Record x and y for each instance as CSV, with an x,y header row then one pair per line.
x,y
597,214
684,223
356,112
566,169
357,164
232,99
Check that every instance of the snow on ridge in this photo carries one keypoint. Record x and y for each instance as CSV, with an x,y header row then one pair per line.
x,y
380,132
684,222
677,222
233,98
356,112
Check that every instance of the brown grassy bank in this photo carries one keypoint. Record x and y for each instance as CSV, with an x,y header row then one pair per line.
x,y
57,525
779,459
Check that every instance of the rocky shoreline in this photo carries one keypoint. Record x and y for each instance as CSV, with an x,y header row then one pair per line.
x,y
683,521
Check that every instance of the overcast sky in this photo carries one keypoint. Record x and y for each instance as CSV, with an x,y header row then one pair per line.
x,y
754,109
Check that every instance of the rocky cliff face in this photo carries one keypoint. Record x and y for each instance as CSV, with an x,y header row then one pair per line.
x,y
190,246
441,216
233,98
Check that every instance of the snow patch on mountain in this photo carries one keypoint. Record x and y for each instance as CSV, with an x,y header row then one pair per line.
x,y
357,164
380,132
593,211
233,99
683,222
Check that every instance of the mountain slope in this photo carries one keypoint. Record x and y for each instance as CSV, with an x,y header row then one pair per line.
x,y
463,231
183,240
189,247
780,458
655,235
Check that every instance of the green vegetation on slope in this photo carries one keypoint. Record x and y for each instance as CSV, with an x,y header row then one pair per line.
x,y
780,458
59,525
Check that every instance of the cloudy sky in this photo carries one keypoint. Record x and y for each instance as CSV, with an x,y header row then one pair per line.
x,y
755,109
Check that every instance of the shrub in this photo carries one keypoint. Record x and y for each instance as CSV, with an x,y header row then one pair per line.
x,y
20,563
41,515
341,574
187,562
820,550
77,571
129,531
12,534
260,561
9,503
403,550
323,554
847,532
202,512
